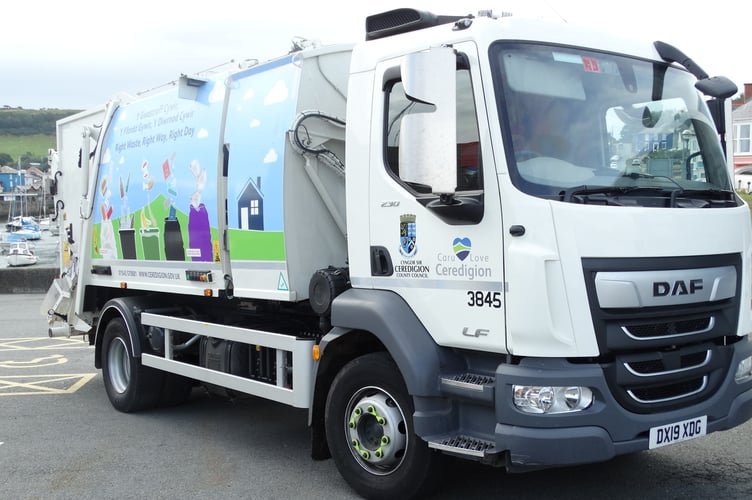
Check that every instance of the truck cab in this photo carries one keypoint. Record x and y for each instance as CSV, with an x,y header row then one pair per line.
x,y
581,303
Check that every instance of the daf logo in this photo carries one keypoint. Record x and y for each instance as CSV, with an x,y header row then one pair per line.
x,y
678,287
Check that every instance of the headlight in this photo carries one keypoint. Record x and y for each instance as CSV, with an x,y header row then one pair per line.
x,y
550,399
744,370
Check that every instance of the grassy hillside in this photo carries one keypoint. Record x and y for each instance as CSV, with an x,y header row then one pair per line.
x,y
27,134
34,146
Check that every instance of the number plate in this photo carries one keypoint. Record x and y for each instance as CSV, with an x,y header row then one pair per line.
x,y
678,431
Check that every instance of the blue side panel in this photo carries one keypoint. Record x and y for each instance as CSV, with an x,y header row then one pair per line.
x,y
156,195
262,107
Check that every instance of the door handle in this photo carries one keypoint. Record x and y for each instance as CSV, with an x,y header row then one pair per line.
x,y
381,262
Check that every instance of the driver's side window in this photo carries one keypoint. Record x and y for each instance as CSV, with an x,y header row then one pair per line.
x,y
469,171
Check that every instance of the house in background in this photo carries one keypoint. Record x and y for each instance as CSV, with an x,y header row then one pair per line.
x,y
741,118
11,178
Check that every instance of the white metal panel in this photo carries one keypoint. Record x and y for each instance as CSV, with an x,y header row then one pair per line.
x,y
299,396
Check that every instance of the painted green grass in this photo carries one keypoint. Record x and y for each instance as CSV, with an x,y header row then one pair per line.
x,y
257,245
244,245
160,212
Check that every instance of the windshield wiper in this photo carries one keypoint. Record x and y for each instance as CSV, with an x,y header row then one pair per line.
x,y
569,193
639,175
711,195
722,194
711,191
582,191
674,193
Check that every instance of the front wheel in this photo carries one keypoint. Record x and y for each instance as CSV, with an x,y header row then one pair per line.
x,y
130,385
370,432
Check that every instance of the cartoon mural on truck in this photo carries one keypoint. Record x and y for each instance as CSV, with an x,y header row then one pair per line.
x,y
262,108
144,142
173,216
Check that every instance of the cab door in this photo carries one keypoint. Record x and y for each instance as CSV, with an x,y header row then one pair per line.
x,y
435,221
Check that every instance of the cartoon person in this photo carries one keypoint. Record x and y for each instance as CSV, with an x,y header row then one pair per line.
x,y
127,236
107,248
149,229
199,230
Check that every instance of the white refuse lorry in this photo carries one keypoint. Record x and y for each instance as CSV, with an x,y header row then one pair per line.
x,y
421,239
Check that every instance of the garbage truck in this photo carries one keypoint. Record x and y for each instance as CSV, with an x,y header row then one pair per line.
x,y
494,238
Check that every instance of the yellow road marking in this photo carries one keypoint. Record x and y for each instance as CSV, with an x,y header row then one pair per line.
x,y
55,359
32,385
41,343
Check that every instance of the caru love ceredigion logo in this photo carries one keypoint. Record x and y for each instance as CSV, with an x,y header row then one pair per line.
x,y
463,263
462,247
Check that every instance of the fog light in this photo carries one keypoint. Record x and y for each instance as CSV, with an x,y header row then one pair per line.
x,y
551,399
744,370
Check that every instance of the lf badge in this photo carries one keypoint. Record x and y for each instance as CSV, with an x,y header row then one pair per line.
x,y
478,332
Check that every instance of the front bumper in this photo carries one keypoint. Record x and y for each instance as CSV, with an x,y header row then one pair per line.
x,y
604,430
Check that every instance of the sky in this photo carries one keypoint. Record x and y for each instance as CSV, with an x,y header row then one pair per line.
x,y
77,54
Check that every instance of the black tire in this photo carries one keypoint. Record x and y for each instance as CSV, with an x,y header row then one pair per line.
x,y
130,386
369,429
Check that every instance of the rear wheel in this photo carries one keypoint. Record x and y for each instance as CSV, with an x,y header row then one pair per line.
x,y
370,432
130,385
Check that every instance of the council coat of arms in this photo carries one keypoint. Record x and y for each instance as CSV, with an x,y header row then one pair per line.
x,y
408,246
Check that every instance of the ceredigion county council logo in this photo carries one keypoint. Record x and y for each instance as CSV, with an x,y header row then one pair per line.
x,y
461,247
408,246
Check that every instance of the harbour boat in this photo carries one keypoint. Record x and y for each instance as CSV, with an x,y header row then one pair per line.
x,y
24,227
28,233
19,222
21,254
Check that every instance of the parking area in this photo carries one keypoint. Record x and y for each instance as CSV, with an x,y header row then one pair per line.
x,y
61,438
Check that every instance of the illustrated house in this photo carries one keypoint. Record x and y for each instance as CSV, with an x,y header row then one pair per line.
x,y
251,206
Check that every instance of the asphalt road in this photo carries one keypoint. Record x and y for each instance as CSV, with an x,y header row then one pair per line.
x,y
61,439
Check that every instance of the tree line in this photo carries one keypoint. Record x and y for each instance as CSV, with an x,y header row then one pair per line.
x,y
17,123
31,121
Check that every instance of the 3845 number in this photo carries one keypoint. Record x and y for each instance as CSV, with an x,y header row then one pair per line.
x,y
478,298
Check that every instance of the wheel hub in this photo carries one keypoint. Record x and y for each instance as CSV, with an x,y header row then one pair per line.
x,y
376,429
119,365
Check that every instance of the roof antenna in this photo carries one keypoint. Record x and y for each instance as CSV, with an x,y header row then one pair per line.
x,y
556,12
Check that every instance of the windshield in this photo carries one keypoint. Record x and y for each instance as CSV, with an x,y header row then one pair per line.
x,y
589,127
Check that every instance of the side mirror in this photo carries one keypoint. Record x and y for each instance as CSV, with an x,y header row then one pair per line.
x,y
719,87
428,138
